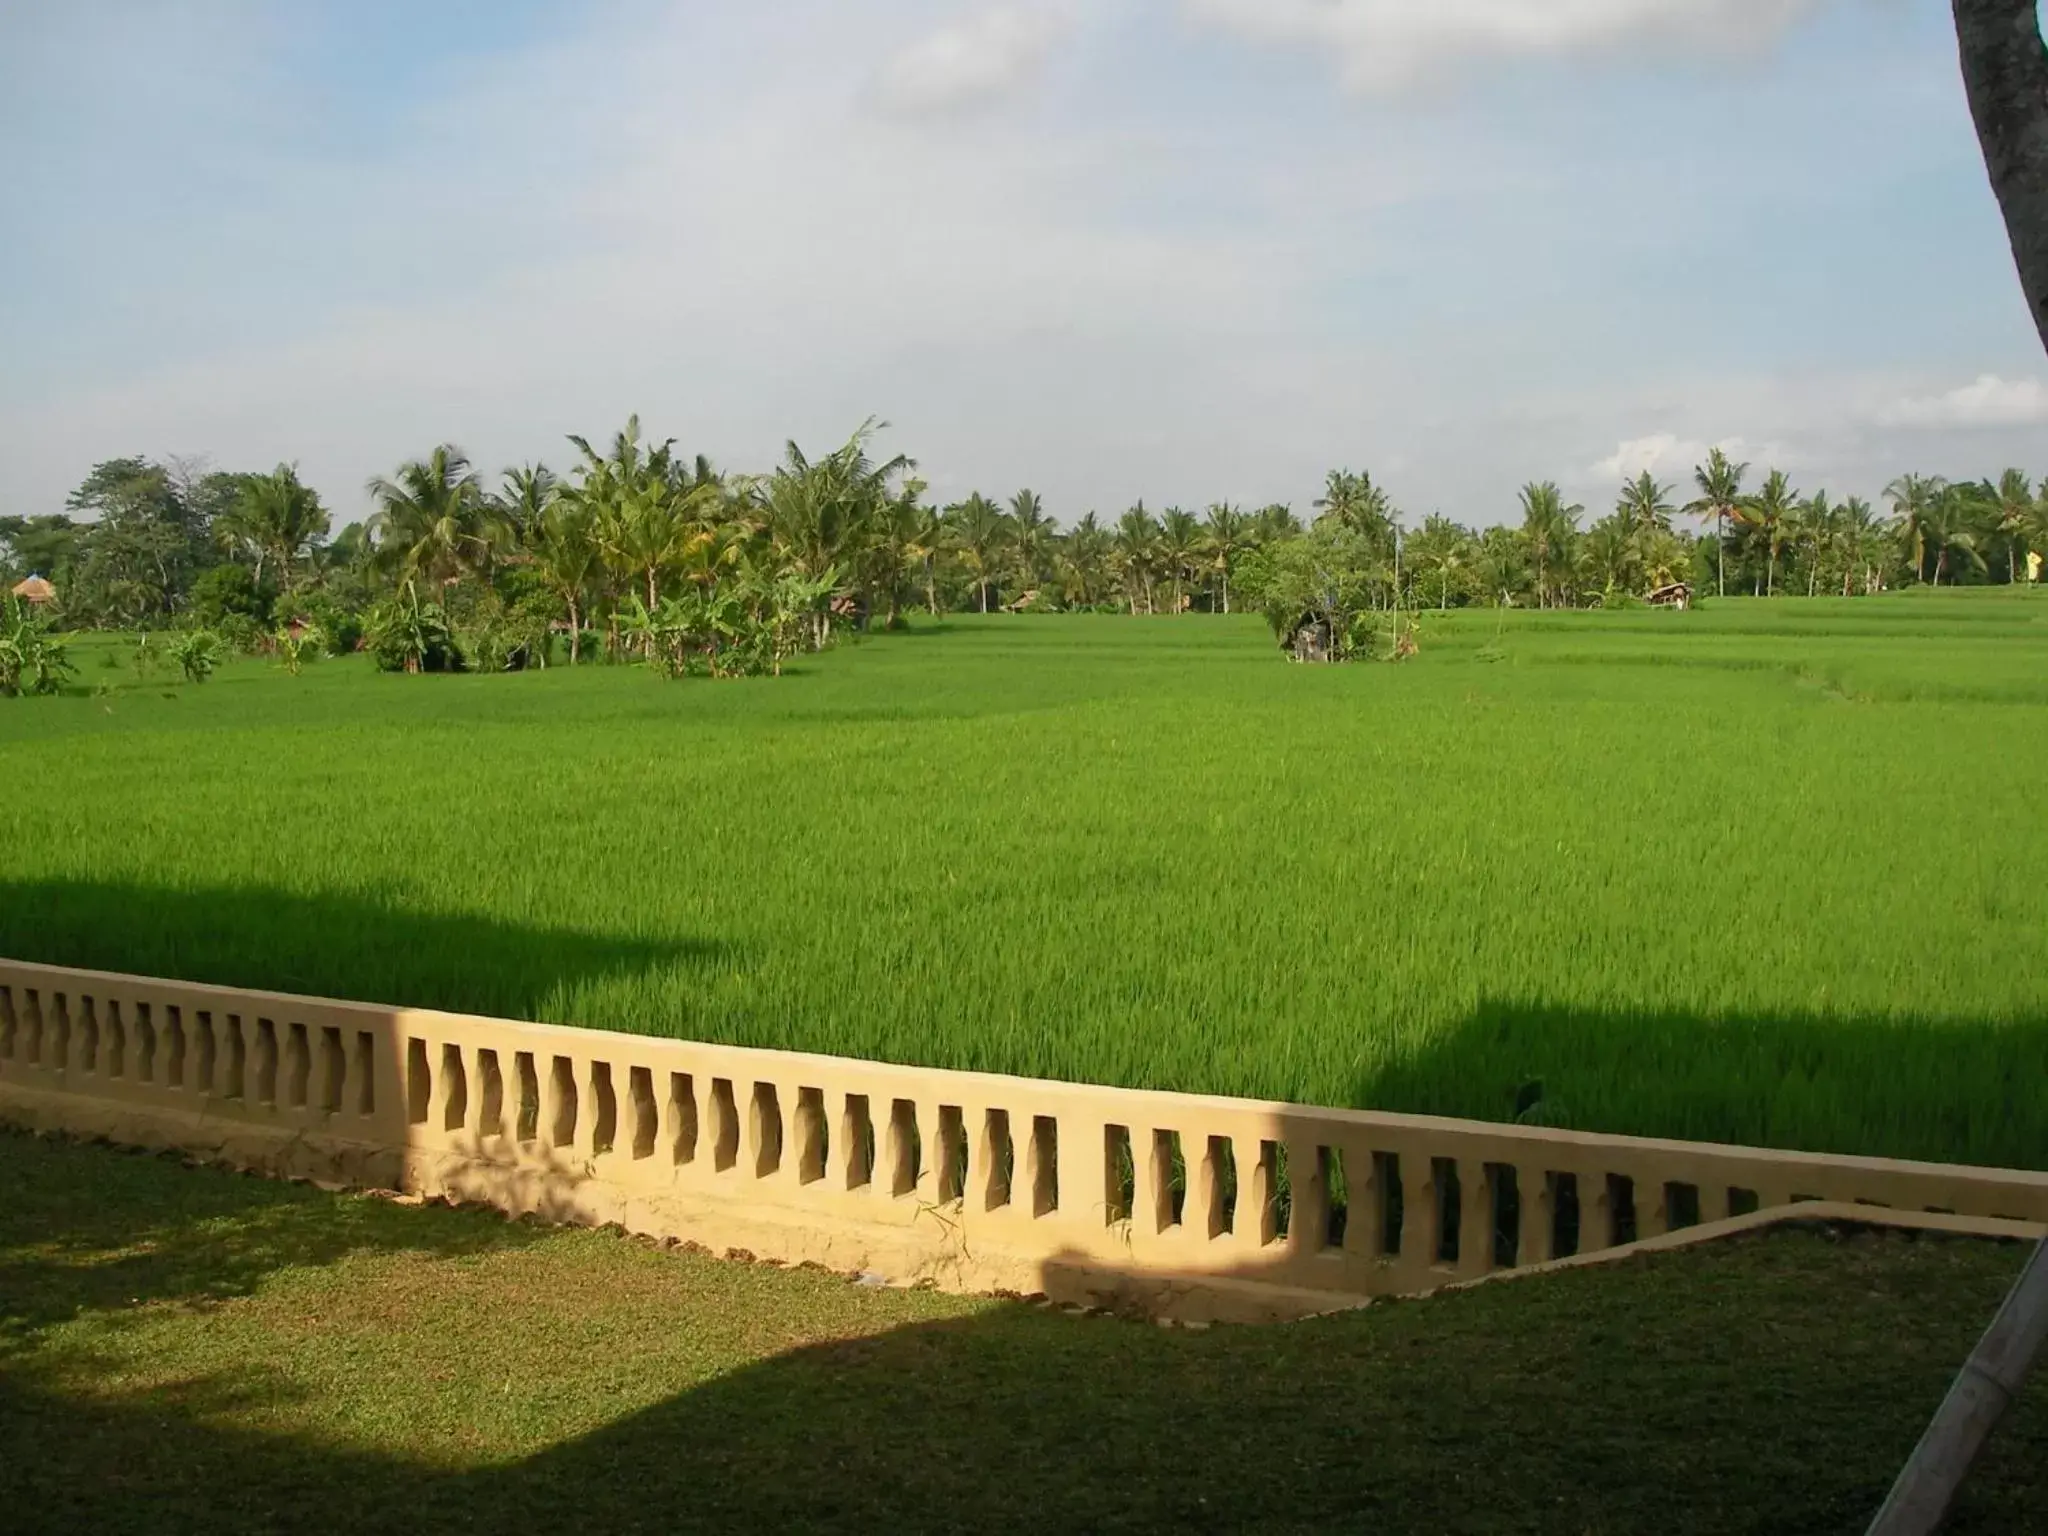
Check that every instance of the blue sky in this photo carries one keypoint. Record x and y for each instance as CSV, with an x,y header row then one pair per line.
x,y
1187,250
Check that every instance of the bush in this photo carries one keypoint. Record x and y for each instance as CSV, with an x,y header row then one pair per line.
x,y
32,660
197,652
407,635
227,592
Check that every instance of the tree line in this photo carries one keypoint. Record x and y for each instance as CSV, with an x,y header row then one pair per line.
x,y
641,552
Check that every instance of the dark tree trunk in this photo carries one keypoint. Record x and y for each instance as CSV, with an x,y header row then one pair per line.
x,y
2005,73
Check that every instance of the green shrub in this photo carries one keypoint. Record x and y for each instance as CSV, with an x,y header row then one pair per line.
x,y
32,660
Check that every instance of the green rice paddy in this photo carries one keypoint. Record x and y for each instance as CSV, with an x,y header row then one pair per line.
x,y
1771,872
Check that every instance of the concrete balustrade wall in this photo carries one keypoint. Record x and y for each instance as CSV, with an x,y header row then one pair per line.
x,y
1172,1203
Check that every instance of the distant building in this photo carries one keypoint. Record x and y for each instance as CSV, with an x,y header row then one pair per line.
x,y
1678,595
35,591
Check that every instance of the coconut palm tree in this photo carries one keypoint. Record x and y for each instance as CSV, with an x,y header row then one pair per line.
x,y
1858,543
1180,542
1913,498
821,515
1084,561
1031,534
1814,524
432,522
1950,529
1226,535
565,554
1135,552
525,495
2011,505
1644,507
1276,523
1771,515
1354,502
1720,486
927,542
1548,526
1441,548
279,518
981,535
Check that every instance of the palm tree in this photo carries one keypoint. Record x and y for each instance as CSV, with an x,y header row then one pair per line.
x,y
1644,508
1913,498
981,532
1548,526
527,491
1609,554
279,517
820,516
1949,530
1857,540
1720,486
1084,559
431,520
1180,541
2012,505
1276,523
1814,520
1136,553
1443,547
1770,514
1356,503
927,541
1227,534
563,547
1031,533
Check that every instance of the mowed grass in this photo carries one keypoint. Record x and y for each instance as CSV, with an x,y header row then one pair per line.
x,y
1770,872
188,1350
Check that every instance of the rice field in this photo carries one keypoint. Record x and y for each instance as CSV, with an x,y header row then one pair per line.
x,y
1770,872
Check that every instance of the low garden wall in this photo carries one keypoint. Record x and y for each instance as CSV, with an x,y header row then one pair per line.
x,y
1169,1203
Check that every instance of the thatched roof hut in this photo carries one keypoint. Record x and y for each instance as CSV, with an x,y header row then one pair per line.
x,y
35,590
1678,595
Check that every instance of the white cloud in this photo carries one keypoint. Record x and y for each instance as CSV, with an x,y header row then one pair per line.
x,y
973,61
1671,457
1387,44
1989,401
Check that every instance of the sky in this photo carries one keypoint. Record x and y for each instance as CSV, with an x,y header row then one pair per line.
x,y
1181,250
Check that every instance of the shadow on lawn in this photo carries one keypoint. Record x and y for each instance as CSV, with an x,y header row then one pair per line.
x,y
1943,1090
1641,1397
101,1229
352,947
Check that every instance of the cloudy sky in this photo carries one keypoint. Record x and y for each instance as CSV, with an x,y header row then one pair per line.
x,y
1189,250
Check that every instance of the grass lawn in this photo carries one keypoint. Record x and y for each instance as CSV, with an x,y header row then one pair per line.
x,y
1770,872
189,1350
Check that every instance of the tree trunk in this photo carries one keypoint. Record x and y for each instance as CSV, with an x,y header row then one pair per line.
x,y
1226,592
2005,75
1720,557
931,589
575,634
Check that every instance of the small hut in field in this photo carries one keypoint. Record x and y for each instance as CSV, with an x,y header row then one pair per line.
x,y
1311,639
1678,595
35,591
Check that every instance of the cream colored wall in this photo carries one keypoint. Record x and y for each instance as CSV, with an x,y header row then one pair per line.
x,y
974,1182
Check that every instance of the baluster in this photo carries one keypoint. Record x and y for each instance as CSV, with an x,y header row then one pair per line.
x,y
932,1151
1308,1218
1421,1211
1536,1232
1475,1217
